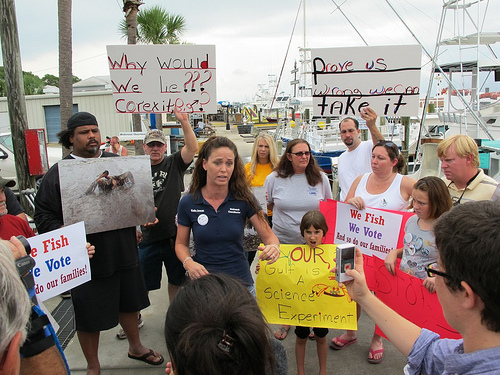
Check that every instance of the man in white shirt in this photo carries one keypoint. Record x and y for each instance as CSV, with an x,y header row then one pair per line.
x,y
355,161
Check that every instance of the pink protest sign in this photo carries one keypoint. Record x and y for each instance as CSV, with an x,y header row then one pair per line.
x,y
406,295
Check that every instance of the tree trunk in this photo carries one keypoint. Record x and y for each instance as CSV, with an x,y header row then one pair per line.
x,y
15,94
65,64
131,7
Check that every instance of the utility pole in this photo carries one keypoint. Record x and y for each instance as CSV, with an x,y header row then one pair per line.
x,y
15,94
131,8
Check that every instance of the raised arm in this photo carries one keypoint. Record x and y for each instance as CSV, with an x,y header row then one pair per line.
x,y
370,116
190,142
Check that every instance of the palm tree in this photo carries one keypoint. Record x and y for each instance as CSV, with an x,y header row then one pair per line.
x,y
130,8
65,64
157,26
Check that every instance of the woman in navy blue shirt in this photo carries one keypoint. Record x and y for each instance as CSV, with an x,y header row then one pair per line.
x,y
219,203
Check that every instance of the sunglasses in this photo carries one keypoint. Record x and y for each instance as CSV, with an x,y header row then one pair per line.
x,y
388,144
155,144
301,153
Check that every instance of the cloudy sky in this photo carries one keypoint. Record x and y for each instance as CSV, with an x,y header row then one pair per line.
x,y
251,37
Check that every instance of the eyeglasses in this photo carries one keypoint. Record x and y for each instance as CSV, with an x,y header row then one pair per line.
x,y
301,153
432,271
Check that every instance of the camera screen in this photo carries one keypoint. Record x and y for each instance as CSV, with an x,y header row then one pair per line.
x,y
348,253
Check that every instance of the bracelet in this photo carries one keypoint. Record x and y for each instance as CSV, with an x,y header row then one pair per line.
x,y
277,247
185,260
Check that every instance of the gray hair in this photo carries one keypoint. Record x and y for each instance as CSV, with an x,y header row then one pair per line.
x,y
15,305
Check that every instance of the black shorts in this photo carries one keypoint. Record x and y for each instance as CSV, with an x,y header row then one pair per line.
x,y
153,255
99,302
303,332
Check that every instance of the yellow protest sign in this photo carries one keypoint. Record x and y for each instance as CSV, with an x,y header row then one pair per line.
x,y
299,289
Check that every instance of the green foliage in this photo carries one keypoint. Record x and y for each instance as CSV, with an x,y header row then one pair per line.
x,y
157,26
51,80
33,84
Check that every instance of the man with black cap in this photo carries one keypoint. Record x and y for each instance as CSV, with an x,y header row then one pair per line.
x,y
116,292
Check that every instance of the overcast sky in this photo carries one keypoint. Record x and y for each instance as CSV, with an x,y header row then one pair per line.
x,y
251,37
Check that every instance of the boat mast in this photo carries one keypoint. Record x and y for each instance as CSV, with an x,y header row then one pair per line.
x,y
435,66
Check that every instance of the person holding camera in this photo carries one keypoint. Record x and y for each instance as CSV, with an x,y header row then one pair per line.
x,y
467,286
15,310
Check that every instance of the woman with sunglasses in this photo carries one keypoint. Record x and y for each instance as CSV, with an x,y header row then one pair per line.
x,y
296,186
384,188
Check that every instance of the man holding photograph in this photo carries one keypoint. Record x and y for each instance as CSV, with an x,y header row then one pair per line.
x,y
116,292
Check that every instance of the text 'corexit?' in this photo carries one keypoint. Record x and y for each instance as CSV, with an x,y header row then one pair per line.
x,y
62,261
299,289
346,80
159,78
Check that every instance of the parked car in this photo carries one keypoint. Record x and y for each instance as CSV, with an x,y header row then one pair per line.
x,y
7,162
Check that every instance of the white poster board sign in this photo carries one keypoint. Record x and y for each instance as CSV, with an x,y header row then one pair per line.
x,y
374,231
346,80
157,78
62,260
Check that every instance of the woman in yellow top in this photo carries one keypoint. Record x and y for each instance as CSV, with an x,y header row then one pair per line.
x,y
263,161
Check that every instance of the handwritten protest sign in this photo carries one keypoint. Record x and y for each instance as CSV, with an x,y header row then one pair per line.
x,y
62,260
158,78
406,295
346,80
374,231
299,289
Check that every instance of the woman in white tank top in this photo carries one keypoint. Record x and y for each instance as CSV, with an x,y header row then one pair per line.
x,y
383,188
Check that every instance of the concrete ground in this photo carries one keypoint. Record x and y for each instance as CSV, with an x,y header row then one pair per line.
x,y
113,352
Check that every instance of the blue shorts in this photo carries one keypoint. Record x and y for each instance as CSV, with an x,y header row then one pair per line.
x,y
151,258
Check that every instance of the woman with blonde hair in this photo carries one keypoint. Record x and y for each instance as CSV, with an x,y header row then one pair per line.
x,y
263,161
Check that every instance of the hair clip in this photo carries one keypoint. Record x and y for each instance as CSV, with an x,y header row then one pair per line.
x,y
226,343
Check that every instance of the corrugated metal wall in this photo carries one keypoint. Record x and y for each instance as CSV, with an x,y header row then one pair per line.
x,y
99,103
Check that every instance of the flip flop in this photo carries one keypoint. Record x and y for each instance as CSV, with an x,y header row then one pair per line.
x,y
335,346
312,336
281,332
373,360
144,358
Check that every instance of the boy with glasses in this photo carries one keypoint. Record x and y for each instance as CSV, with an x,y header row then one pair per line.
x,y
467,286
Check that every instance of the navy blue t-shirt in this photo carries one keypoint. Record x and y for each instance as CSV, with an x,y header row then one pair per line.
x,y
218,235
